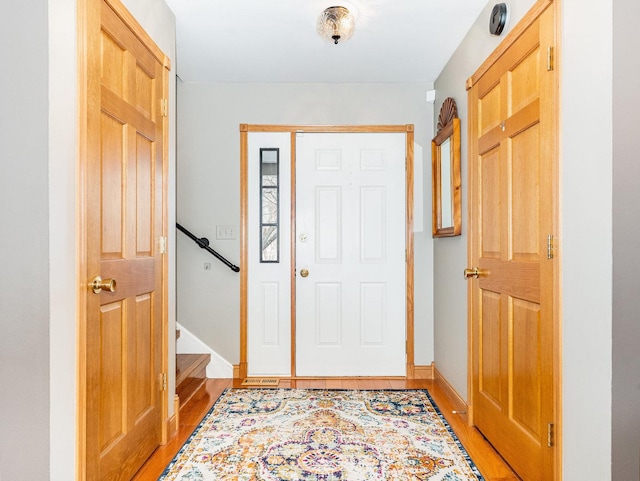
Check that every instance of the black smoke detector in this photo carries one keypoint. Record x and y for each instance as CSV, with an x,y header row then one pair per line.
x,y
498,18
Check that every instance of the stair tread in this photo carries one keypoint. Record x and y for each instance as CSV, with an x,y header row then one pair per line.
x,y
190,389
191,375
187,364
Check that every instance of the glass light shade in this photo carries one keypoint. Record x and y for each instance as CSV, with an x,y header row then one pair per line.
x,y
336,24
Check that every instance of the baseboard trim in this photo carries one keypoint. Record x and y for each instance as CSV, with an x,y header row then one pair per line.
x,y
176,413
170,426
460,405
419,372
423,372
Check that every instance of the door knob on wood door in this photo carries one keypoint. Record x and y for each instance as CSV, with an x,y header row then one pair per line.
x,y
475,273
98,284
304,272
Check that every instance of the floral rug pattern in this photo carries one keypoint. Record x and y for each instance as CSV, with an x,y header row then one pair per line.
x,y
322,435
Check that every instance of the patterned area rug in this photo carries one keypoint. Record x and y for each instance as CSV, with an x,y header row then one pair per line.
x,y
322,435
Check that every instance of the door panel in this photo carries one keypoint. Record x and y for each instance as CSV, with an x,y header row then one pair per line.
x,y
124,216
350,237
492,350
327,321
512,210
527,347
269,283
328,210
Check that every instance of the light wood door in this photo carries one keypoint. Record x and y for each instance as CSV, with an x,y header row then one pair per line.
x,y
350,254
124,217
513,210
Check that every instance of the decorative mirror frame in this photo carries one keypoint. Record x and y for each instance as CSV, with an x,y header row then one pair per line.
x,y
447,197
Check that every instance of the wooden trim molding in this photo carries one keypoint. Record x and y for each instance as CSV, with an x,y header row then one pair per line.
x,y
85,18
176,414
244,255
170,426
423,372
461,406
409,255
165,257
408,129
122,12
292,280
535,11
327,128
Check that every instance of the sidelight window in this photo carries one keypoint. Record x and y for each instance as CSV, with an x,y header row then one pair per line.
x,y
269,205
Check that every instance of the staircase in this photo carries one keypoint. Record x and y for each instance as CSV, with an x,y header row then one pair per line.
x,y
191,374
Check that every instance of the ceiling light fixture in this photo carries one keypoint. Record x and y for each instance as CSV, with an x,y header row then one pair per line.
x,y
336,24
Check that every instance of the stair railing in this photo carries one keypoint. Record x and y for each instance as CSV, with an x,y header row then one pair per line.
x,y
203,242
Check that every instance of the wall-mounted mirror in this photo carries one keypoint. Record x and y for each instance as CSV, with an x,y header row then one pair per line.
x,y
445,159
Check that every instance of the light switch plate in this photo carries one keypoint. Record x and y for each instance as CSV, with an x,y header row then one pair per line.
x,y
225,232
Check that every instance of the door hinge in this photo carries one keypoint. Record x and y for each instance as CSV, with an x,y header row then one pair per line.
x,y
550,59
163,381
162,245
164,105
550,435
550,246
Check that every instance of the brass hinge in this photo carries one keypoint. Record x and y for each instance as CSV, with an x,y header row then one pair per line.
x,y
164,105
550,246
550,59
550,435
164,381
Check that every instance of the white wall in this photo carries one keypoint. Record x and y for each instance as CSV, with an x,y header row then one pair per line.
x,y
626,237
585,238
24,243
209,186
159,22
450,253
62,245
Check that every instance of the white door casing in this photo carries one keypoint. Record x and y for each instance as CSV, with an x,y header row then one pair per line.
x,y
350,237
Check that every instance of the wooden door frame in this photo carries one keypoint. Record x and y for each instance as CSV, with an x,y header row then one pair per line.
x,y
245,129
88,81
529,18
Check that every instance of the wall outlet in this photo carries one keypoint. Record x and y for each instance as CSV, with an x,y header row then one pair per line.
x,y
225,232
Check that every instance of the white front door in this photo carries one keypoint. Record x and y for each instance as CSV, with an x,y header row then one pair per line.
x,y
350,254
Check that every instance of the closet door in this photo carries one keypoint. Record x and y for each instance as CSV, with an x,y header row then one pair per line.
x,y
124,215
513,271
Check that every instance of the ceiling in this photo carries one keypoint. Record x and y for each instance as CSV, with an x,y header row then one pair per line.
x,y
276,41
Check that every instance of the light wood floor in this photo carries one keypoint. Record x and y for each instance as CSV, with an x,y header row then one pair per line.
x,y
490,464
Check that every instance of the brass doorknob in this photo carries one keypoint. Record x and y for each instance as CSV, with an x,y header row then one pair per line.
x,y
304,272
475,273
99,284
471,273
